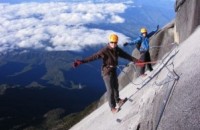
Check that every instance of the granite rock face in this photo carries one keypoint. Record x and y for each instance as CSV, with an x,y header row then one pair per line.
x,y
160,43
186,21
182,111
187,18
175,105
169,99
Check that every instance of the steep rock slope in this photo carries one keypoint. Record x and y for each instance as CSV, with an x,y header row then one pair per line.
x,y
185,23
187,18
167,98
160,44
181,111
169,95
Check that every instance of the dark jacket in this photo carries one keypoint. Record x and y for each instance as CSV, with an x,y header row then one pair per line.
x,y
110,58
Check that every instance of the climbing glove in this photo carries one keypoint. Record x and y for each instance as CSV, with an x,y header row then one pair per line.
x,y
125,44
77,63
139,63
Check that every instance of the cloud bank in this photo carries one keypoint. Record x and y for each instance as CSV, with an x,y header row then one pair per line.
x,y
56,26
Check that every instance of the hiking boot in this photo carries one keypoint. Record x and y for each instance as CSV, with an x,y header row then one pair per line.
x,y
114,110
121,102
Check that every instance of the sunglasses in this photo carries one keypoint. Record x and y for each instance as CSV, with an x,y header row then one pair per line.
x,y
113,42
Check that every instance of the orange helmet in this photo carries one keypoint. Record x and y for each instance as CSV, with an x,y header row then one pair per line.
x,y
113,38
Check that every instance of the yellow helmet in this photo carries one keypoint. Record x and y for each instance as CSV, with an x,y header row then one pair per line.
x,y
113,38
143,30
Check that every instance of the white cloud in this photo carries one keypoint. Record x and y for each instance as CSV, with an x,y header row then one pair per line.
x,y
116,19
56,26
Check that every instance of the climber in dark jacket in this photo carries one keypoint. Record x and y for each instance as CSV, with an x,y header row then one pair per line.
x,y
109,55
142,44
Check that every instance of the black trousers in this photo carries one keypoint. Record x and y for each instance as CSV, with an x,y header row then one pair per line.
x,y
111,83
145,56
